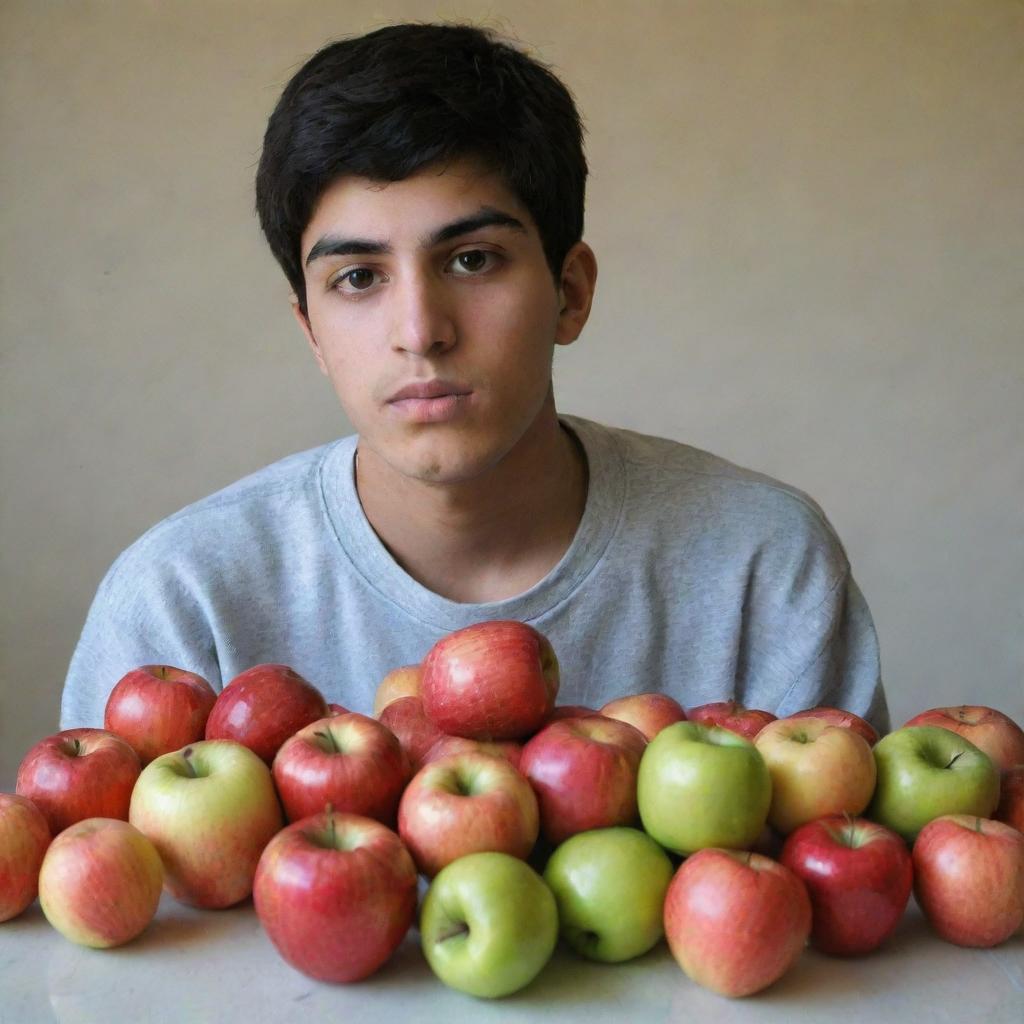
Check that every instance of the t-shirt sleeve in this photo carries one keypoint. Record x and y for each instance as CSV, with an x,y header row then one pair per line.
x,y
142,614
837,647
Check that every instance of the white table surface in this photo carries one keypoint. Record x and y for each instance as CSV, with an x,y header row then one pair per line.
x,y
190,967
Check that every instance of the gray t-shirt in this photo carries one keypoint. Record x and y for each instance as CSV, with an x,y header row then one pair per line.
x,y
687,575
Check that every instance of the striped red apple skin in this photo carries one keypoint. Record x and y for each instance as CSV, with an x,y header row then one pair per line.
x,y
495,680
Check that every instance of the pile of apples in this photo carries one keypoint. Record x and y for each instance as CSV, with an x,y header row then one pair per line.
x,y
736,836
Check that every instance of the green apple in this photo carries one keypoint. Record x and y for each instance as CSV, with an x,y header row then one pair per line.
x,y
925,772
702,786
610,884
209,809
489,924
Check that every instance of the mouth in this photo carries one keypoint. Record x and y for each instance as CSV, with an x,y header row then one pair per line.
x,y
432,401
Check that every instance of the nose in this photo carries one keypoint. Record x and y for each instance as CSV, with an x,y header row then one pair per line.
x,y
423,323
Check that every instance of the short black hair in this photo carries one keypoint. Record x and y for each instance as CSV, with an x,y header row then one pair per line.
x,y
404,97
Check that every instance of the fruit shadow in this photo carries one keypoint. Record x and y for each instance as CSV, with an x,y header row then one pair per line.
x,y
178,926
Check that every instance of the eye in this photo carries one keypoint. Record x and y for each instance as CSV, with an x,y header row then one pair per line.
x,y
358,279
473,261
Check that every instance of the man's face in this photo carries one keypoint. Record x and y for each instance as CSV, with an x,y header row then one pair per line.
x,y
434,313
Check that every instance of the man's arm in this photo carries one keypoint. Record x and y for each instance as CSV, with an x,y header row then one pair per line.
x,y
838,649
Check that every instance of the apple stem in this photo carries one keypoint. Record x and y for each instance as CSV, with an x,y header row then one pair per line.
x,y
956,757
457,928
187,754
328,737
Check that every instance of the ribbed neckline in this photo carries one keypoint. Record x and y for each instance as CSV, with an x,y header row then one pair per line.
x,y
363,548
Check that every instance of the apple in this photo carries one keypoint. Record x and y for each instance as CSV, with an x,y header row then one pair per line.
x,y
100,882
609,885
78,774
969,879
263,706
495,680
508,749
399,682
703,786
731,715
925,772
159,708
1011,798
584,772
989,730
817,769
467,803
24,837
858,875
416,733
336,893
648,712
736,921
350,762
489,924
336,709
209,810
844,719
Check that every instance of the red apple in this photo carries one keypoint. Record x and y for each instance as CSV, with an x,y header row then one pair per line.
x,y
496,680
969,879
843,719
262,707
348,762
406,718
508,749
100,882
336,893
467,803
817,769
584,773
24,837
78,774
736,921
399,682
159,708
858,875
989,730
731,715
648,712
1011,798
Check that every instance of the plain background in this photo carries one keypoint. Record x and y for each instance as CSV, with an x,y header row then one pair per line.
x,y
809,218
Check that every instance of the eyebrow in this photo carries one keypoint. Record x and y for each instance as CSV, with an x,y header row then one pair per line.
x,y
485,217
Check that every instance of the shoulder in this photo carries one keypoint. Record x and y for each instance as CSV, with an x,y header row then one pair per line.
x,y
278,498
708,500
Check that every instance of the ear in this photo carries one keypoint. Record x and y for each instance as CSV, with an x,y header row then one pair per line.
x,y
303,321
576,292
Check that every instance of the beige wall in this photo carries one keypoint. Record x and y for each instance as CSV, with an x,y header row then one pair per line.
x,y
810,223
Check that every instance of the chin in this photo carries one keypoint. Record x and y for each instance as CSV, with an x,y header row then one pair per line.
x,y
444,454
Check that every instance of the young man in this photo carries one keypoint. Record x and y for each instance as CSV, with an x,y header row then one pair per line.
x,y
422,187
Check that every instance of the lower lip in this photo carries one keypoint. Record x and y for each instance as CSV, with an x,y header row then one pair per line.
x,y
430,410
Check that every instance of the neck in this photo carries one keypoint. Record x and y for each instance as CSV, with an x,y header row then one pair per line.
x,y
489,538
